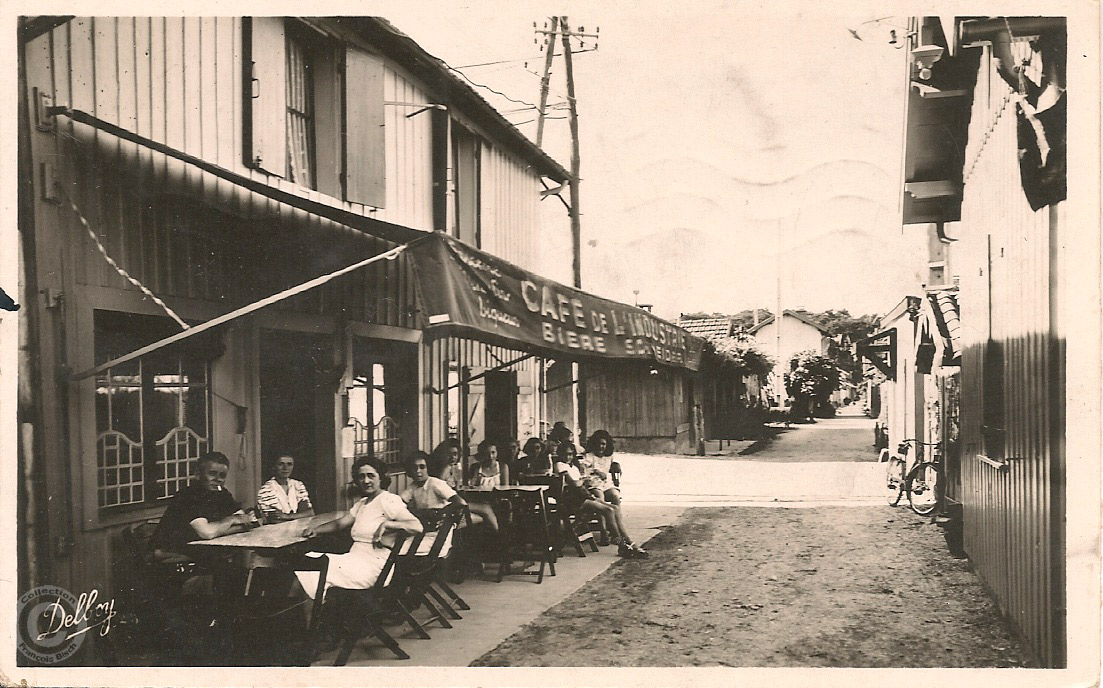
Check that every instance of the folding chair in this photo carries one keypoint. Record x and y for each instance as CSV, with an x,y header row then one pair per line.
x,y
422,569
362,612
571,529
528,536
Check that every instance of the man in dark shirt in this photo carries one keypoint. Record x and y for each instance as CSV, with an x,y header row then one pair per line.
x,y
201,511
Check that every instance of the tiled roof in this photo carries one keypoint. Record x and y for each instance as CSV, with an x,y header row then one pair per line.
x,y
709,328
799,316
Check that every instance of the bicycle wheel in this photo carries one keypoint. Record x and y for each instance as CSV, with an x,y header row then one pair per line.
x,y
923,488
894,479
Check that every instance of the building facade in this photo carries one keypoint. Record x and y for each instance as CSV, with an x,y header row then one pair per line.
x,y
985,168
194,193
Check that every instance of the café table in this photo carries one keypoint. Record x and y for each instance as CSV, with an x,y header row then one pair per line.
x,y
276,545
528,527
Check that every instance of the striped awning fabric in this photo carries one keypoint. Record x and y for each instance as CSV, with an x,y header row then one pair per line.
x,y
943,314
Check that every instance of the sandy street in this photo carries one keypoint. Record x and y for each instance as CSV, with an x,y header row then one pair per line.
x,y
867,586
840,579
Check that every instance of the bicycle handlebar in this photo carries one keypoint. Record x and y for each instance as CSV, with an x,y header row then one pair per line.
x,y
914,441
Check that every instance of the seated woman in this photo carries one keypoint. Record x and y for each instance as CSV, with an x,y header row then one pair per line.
x,y
602,471
283,498
536,460
444,464
508,457
426,493
578,499
374,520
486,471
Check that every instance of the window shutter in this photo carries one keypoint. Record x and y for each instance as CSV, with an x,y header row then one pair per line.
x,y
269,96
365,159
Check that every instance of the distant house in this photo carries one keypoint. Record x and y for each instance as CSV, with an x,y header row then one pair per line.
x,y
725,398
798,332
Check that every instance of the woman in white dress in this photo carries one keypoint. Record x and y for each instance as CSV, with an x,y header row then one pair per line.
x,y
374,520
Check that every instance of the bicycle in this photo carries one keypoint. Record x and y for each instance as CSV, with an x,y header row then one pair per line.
x,y
921,483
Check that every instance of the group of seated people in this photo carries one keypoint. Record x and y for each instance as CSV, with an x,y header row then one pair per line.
x,y
205,509
591,478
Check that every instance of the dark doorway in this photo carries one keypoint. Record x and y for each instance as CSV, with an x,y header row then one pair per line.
x,y
501,405
296,409
559,391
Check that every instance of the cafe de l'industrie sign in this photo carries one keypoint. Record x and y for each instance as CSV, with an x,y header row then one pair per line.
x,y
466,291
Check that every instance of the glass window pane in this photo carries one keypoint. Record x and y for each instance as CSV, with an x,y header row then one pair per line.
x,y
195,410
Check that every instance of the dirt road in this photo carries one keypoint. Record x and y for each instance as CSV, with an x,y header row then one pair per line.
x,y
848,438
775,587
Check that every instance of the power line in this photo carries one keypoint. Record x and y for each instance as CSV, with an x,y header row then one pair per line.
x,y
492,90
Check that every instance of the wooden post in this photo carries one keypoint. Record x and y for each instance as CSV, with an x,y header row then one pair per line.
x,y
544,82
576,227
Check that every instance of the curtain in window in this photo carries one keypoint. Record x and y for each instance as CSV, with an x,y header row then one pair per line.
x,y
300,116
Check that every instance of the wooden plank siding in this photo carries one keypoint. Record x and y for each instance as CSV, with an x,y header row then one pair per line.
x,y
509,221
454,353
641,410
1014,345
206,247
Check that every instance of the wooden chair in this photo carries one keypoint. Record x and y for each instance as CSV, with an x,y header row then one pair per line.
x,y
364,612
167,615
421,570
570,528
528,536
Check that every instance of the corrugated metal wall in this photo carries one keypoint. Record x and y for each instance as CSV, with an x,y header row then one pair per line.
x,y
1013,516
509,221
409,145
456,354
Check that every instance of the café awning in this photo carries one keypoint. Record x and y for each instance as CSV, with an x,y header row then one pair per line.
x,y
467,292
462,290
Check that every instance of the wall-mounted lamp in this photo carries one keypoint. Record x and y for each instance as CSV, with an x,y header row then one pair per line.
x,y
925,56
895,41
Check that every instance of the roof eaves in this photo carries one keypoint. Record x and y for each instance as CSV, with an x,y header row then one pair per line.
x,y
437,74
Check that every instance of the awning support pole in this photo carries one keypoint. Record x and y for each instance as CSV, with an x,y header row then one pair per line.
x,y
573,382
244,310
483,374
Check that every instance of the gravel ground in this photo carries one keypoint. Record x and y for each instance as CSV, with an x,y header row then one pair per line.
x,y
772,587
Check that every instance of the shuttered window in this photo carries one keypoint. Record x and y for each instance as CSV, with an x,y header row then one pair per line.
x,y
465,150
365,161
301,160
310,121
267,133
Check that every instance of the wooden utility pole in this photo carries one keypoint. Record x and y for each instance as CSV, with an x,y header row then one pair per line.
x,y
545,81
576,224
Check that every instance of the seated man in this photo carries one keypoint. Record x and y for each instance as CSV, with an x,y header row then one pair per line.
x,y
283,498
201,511
426,492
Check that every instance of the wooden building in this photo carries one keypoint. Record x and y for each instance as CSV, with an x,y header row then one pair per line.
x,y
176,173
985,167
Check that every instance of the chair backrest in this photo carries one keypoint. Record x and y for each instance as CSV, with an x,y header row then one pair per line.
x,y
450,517
137,538
549,481
393,558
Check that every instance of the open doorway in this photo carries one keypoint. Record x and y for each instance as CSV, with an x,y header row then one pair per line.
x,y
501,405
296,409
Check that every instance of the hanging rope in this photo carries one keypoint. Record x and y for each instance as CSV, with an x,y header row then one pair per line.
x,y
118,268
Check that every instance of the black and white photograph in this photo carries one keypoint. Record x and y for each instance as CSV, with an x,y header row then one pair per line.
x,y
585,343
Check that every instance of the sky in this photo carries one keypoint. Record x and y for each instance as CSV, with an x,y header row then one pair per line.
x,y
726,152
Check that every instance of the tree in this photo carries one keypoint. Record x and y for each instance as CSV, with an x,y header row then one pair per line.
x,y
811,379
742,354
745,319
845,330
